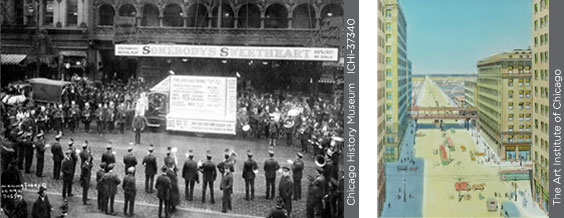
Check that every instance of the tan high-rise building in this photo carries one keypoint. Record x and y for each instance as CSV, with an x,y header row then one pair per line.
x,y
504,103
540,146
381,94
396,76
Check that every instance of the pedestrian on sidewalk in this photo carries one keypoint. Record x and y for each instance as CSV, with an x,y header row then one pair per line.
x,y
227,188
129,191
164,186
209,174
100,186
270,168
138,125
58,156
41,207
111,181
85,179
68,173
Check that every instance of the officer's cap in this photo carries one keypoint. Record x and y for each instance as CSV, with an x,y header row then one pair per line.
x,y
300,154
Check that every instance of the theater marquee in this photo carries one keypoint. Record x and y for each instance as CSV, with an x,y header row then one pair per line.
x,y
228,52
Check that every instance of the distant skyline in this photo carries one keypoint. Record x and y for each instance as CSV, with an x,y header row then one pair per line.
x,y
449,37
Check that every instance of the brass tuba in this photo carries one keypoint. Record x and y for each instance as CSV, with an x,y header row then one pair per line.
x,y
320,160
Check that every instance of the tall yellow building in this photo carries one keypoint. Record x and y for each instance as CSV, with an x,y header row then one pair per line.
x,y
396,84
540,100
504,103
381,93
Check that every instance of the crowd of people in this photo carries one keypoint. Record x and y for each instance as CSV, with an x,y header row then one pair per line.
x,y
316,122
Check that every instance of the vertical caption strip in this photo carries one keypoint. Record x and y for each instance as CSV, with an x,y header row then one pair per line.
x,y
351,157
556,49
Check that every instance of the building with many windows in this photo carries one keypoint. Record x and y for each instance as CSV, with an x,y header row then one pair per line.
x,y
396,70
504,103
540,101
380,101
470,93
79,37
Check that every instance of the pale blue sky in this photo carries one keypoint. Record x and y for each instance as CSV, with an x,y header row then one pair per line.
x,y
450,36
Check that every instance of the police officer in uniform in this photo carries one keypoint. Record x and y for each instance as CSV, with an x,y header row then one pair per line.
x,y
286,188
85,154
209,174
129,191
58,119
279,211
227,188
190,175
110,118
58,156
108,157
40,155
297,174
175,191
74,156
249,168
270,167
150,162
129,160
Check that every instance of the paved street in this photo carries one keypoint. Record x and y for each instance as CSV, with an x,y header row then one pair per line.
x,y
217,145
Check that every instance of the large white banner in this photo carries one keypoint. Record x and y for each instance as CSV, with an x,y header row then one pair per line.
x,y
228,52
202,104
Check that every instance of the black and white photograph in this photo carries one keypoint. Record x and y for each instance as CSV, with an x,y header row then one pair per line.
x,y
173,108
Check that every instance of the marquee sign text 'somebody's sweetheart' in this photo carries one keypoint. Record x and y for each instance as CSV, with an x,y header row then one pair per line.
x,y
228,52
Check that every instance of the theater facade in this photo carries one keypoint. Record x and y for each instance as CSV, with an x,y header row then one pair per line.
x,y
65,37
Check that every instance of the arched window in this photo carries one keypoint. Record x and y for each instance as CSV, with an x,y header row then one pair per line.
x,y
197,16
173,16
276,16
227,16
330,11
127,10
303,17
249,16
106,15
150,16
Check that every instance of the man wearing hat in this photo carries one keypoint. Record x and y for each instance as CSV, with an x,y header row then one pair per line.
x,y
150,163
73,115
129,191
272,131
87,117
270,167
58,119
314,196
278,211
68,172
85,154
85,173
226,162
138,125
249,168
20,151
108,157
40,147
100,185
190,175
110,181
100,114
41,207
58,156
110,118
175,191
28,150
227,187
129,160
74,156
209,174
286,189
297,174
164,187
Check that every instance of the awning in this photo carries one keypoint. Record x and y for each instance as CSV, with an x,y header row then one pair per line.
x,y
73,53
12,58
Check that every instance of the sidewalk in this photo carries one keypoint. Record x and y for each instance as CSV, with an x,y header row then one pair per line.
x,y
77,209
